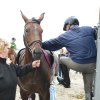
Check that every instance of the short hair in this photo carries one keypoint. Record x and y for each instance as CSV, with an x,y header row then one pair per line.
x,y
13,38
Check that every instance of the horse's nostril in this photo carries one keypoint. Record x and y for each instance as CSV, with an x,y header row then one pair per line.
x,y
37,54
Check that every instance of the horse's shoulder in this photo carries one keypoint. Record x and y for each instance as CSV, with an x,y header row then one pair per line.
x,y
20,52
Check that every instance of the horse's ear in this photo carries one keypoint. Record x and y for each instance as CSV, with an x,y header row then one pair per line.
x,y
41,17
24,17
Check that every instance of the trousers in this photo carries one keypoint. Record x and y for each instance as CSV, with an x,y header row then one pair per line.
x,y
52,86
88,71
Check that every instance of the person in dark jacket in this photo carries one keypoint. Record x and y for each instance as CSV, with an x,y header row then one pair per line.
x,y
80,43
63,75
9,72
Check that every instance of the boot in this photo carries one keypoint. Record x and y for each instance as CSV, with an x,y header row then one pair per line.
x,y
66,79
61,81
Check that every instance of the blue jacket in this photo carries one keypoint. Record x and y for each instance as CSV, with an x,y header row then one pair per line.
x,y
79,41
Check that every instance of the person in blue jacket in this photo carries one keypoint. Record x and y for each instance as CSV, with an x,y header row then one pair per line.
x,y
80,43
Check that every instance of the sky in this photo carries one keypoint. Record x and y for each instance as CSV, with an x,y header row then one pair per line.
x,y
56,12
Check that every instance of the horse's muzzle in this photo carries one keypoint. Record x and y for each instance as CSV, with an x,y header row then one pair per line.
x,y
37,54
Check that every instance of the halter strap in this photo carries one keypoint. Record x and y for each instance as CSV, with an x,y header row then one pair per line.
x,y
33,21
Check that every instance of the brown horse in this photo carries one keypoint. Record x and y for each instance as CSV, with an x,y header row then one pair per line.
x,y
37,81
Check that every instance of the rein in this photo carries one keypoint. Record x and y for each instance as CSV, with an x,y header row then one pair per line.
x,y
33,21
33,42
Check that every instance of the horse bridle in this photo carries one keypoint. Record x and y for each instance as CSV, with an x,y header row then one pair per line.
x,y
33,42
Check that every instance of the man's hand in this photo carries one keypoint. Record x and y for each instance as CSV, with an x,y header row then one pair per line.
x,y
36,63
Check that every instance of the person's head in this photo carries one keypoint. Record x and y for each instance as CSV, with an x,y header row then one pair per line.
x,y
4,48
61,51
13,39
69,22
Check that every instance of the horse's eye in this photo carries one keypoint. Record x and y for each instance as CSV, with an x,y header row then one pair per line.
x,y
26,30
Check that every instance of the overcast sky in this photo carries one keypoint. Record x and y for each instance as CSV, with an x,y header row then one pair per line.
x,y
56,11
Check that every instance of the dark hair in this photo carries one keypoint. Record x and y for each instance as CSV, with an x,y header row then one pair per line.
x,y
13,38
70,21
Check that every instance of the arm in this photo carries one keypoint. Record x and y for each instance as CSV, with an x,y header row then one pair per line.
x,y
22,70
54,44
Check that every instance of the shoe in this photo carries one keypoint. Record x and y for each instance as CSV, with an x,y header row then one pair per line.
x,y
61,81
66,85
92,94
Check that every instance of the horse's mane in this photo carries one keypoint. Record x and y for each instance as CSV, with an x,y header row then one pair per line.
x,y
18,55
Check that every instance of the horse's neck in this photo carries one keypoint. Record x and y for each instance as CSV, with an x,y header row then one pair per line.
x,y
27,56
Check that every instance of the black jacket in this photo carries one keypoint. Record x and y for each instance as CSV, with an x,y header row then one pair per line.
x,y
8,78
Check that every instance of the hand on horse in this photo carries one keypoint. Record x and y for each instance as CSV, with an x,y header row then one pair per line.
x,y
36,63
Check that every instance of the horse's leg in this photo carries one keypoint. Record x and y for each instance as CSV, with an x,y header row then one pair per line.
x,y
33,96
47,97
40,98
44,96
24,96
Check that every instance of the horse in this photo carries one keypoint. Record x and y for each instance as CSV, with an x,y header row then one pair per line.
x,y
38,80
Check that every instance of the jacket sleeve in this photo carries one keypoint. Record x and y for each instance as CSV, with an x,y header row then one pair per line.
x,y
23,70
53,44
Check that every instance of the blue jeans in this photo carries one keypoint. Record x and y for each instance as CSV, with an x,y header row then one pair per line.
x,y
52,92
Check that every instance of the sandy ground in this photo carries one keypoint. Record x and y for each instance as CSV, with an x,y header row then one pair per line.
x,y
76,92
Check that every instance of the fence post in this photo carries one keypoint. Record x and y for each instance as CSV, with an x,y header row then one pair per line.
x,y
97,79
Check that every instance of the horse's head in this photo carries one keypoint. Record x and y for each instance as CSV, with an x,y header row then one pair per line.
x,y
33,35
